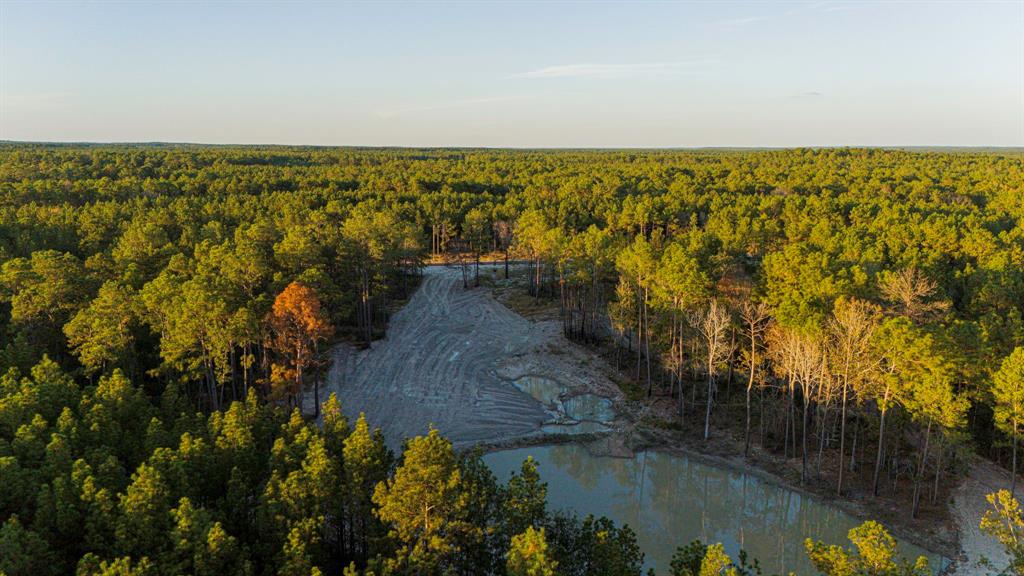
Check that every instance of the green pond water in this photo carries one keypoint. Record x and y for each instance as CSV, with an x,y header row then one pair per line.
x,y
589,408
581,413
670,500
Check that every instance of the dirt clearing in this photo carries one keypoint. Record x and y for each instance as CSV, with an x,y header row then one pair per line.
x,y
478,372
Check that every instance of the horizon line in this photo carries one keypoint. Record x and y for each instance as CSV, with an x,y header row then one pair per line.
x,y
156,143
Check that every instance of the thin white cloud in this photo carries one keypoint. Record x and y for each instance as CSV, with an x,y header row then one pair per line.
x,y
613,70
450,105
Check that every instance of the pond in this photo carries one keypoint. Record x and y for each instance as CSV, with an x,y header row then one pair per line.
x,y
671,500
543,390
570,414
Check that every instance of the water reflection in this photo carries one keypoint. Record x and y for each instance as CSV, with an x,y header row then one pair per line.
x,y
589,407
671,500
543,390
579,414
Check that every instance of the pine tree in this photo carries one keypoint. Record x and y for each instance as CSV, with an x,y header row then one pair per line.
x,y
367,464
1003,522
23,552
1008,392
528,555
423,503
525,499
874,553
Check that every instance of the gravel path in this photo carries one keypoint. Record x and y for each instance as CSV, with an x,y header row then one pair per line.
x,y
449,359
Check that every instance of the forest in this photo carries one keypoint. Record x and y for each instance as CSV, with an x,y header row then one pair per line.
x,y
166,313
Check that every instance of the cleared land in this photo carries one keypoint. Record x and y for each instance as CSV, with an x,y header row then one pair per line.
x,y
452,359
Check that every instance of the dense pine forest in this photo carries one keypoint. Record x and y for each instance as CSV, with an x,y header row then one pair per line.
x,y
166,313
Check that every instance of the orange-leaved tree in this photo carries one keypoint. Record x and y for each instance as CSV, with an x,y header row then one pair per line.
x,y
298,324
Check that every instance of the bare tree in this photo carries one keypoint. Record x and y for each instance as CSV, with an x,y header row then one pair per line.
x,y
460,254
913,295
799,356
712,324
828,390
756,318
503,239
850,329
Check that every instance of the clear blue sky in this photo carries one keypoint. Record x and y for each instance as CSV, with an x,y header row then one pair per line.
x,y
516,73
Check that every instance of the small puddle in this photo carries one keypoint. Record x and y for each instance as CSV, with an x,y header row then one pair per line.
x,y
589,407
543,390
579,414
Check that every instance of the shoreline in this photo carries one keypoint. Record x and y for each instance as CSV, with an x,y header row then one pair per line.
x,y
735,464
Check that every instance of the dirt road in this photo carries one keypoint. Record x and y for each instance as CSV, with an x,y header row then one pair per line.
x,y
450,359
969,505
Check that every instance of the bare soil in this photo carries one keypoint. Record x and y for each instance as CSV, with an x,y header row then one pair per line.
x,y
969,505
450,360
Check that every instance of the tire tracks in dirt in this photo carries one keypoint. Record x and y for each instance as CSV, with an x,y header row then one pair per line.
x,y
449,360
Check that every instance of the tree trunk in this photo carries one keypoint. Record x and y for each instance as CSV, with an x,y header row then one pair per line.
x,y
938,473
746,432
853,448
842,440
680,370
732,360
1013,481
881,443
920,470
707,412
792,405
750,386
316,398
803,471
647,344
639,331
788,419
760,417
822,435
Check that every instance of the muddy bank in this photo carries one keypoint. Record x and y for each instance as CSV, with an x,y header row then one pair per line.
x,y
726,453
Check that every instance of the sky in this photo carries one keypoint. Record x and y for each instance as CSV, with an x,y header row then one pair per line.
x,y
515,74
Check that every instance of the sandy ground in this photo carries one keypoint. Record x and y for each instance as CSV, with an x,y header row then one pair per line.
x,y
969,505
449,360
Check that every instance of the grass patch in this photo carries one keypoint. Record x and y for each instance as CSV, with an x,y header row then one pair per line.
x,y
633,390
525,305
